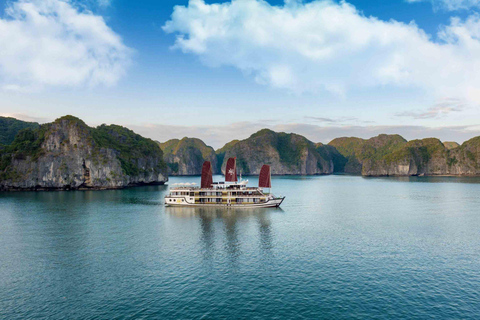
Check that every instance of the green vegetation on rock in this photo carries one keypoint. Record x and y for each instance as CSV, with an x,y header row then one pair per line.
x,y
393,155
350,149
27,143
286,153
450,145
221,152
131,146
186,156
422,157
68,153
289,150
114,153
356,151
330,152
9,127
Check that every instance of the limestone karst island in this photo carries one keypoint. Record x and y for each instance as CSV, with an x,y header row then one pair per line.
x,y
68,154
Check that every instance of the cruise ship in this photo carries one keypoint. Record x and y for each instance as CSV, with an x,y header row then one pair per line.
x,y
231,193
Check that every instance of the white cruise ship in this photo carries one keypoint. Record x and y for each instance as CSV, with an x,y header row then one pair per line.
x,y
231,193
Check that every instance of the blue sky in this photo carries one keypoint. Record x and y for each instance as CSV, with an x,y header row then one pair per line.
x,y
319,68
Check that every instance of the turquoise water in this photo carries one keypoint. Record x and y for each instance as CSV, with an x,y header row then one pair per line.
x,y
341,247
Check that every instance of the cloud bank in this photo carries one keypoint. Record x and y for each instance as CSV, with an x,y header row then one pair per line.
x,y
440,110
326,46
52,42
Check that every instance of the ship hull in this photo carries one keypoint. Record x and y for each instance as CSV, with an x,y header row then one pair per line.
x,y
271,203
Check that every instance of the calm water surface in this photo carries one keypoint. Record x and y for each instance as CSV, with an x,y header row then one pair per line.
x,y
341,247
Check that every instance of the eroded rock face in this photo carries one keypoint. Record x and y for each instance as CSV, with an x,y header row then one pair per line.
x,y
380,168
292,154
287,154
67,154
360,153
427,157
70,158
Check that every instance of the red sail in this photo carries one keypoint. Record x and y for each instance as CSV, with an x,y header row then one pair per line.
x,y
231,170
264,180
207,179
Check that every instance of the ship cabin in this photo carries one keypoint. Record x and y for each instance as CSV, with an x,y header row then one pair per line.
x,y
219,193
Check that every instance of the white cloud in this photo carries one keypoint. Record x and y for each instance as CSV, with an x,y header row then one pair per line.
x,y
322,45
104,3
451,5
52,42
441,109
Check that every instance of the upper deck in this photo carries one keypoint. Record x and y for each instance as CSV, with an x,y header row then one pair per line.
x,y
216,186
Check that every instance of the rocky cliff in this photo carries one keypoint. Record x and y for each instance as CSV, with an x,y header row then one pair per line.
x,y
186,156
67,154
388,155
350,149
357,151
428,157
285,153
417,157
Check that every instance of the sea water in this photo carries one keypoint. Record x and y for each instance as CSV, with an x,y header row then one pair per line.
x,y
340,247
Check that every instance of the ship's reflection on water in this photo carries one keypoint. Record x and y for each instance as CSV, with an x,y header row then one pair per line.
x,y
229,226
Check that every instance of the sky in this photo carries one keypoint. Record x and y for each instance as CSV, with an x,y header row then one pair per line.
x,y
221,70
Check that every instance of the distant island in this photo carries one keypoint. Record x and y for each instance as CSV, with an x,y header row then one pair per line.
x,y
68,154
293,154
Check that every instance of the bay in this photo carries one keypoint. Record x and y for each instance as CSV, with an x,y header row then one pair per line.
x,y
340,247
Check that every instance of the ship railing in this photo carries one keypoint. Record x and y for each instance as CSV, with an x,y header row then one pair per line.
x,y
199,188
237,196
